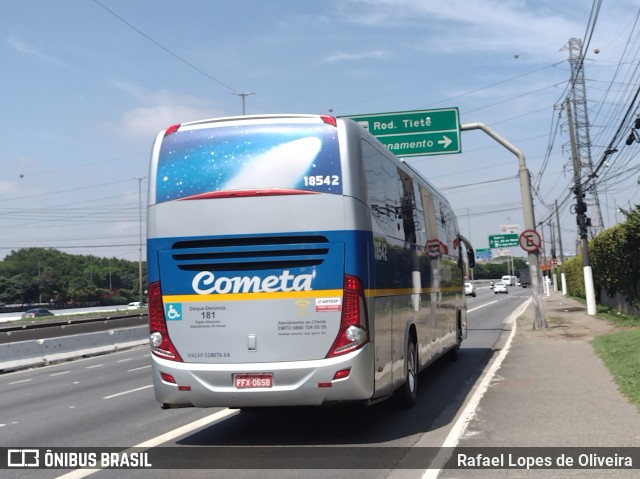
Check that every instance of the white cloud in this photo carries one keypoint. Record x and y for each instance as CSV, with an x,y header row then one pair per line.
x,y
470,26
158,110
22,47
7,187
342,56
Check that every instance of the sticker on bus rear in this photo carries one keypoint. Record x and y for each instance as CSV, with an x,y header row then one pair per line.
x,y
173,311
328,304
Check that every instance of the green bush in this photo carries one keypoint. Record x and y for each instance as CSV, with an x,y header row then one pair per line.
x,y
615,262
615,256
115,300
574,275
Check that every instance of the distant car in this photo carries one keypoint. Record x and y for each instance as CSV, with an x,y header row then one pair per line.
x,y
35,313
469,289
134,305
500,288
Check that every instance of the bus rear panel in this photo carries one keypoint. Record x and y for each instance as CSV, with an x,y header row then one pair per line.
x,y
262,260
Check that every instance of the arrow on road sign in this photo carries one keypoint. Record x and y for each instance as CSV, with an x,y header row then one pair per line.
x,y
446,141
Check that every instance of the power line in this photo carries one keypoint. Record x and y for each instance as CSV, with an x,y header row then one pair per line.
x,y
39,195
159,45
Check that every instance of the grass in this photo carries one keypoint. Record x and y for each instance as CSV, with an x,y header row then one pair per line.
x,y
617,317
621,354
620,351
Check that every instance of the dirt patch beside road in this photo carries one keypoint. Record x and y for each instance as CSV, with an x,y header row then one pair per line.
x,y
567,319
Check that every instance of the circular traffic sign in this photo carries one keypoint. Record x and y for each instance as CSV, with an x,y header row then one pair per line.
x,y
436,248
529,240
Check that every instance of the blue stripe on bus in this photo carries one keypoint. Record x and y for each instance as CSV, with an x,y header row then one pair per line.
x,y
348,253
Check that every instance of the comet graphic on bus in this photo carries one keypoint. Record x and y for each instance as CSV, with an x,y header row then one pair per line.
x,y
283,165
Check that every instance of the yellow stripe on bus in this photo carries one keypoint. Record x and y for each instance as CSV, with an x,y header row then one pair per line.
x,y
203,298
405,291
327,293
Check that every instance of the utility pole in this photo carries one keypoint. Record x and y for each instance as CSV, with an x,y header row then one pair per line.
x,y
243,95
553,262
542,245
559,234
582,220
552,233
469,231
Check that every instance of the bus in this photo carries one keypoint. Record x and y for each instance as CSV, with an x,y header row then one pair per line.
x,y
293,260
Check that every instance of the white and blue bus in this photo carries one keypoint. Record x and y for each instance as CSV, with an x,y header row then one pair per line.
x,y
293,260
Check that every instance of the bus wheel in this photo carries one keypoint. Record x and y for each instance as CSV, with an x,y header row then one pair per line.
x,y
409,390
454,353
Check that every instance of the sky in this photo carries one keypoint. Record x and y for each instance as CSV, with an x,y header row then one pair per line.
x,y
87,84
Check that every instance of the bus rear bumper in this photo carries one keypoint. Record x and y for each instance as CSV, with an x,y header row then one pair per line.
x,y
301,383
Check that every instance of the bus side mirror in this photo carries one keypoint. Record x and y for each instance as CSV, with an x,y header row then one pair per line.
x,y
471,256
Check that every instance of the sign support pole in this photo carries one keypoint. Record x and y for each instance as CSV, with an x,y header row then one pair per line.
x,y
539,321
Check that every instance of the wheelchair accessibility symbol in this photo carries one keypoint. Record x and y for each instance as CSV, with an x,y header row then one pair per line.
x,y
173,311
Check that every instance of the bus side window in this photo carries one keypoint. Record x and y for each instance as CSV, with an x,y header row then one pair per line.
x,y
408,207
385,197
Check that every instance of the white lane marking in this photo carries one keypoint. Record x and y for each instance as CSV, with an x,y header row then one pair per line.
x,y
128,392
124,360
94,366
481,306
156,441
59,374
138,369
22,372
470,409
19,382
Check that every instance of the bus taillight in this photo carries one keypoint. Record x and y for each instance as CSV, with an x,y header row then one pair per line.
x,y
329,120
353,332
171,129
161,344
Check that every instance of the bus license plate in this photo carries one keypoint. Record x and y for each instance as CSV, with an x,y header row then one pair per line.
x,y
247,381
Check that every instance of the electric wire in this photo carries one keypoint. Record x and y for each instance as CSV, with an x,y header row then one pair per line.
x,y
162,47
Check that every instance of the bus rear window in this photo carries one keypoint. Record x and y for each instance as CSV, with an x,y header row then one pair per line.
x,y
252,157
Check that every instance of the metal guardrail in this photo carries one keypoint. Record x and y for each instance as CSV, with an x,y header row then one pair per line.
x,y
43,342
23,324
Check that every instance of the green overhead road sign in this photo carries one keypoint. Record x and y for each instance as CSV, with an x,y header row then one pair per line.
x,y
415,133
503,241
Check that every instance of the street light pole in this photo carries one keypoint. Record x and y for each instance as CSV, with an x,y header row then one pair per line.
x,y
243,95
539,321
140,239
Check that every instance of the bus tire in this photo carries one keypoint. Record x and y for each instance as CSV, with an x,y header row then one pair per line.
x,y
454,353
409,390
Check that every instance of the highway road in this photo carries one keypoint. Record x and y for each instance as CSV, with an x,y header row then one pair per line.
x,y
107,401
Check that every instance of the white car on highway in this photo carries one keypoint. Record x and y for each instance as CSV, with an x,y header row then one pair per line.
x,y
500,287
469,289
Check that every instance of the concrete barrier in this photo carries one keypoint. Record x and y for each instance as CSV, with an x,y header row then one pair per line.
x,y
40,352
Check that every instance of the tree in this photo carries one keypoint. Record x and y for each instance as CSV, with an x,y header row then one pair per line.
x,y
33,274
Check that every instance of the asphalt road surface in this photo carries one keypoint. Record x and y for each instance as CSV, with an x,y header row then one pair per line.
x,y
107,401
